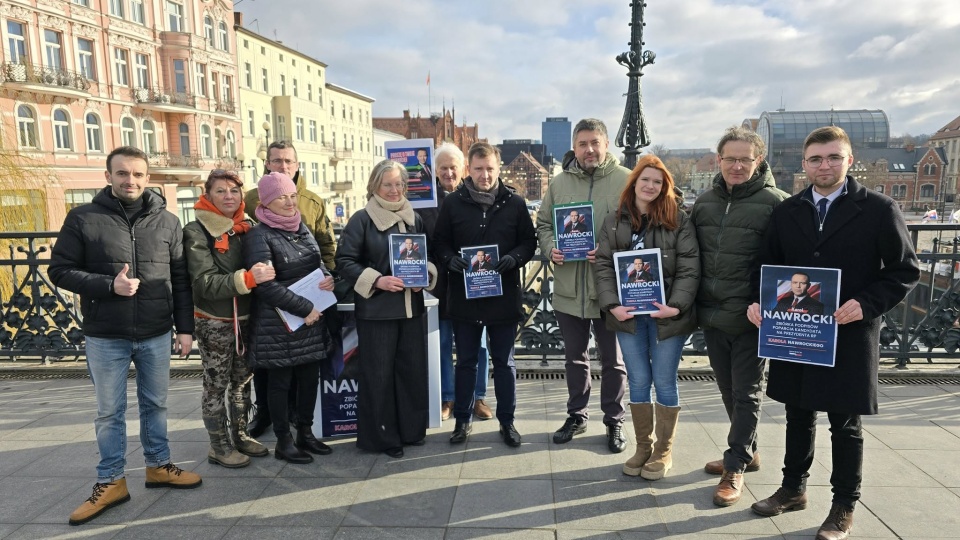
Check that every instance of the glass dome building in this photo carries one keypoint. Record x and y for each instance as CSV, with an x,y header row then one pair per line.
x,y
784,131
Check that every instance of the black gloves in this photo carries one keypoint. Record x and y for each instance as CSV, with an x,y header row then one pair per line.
x,y
506,264
458,264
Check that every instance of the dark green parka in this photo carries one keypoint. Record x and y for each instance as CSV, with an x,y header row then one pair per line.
x,y
217,278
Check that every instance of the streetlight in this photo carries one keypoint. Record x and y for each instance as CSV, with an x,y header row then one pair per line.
x,y
262,154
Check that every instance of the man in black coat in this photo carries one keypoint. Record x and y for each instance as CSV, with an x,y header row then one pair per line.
x,y
799,301
835,223
123,253
484,211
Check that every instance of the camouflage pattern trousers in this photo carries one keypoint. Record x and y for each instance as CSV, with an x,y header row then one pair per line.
x,y
223,368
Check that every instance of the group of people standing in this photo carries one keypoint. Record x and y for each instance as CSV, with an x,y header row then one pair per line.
x,y
224,277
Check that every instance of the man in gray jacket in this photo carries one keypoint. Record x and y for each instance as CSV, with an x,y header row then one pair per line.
x,y
730,220
590,174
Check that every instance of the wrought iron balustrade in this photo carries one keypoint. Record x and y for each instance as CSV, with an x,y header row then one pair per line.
x,y
166,160
49,76
164,97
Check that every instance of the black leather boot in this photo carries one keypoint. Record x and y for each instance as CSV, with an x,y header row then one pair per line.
x,y
288,452
307,442
261,421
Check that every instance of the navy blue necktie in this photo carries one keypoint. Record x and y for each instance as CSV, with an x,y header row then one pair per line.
x,y
822,209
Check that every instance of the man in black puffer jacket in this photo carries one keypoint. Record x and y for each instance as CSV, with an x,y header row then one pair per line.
x,y
123,253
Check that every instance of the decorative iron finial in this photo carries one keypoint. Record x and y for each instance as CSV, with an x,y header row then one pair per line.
x,y
633,134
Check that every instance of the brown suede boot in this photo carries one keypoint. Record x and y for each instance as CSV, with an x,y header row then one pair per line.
x,y
838,524
665,427
642,416
104,496
171,476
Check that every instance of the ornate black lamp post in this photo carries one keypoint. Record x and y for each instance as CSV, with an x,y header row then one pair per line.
x,y
633,134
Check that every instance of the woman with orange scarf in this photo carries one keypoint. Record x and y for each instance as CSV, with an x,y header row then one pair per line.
x,y
221,298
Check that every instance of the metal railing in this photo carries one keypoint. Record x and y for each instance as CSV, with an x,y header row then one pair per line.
x,y
167,160
49,76
164,97
40,321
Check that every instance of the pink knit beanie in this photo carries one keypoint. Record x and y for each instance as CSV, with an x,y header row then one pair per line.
x,y
274,185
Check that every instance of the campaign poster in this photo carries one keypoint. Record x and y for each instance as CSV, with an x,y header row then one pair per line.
x,y
639,274
337,402
797,305
480,280
573,226
416,155
408,259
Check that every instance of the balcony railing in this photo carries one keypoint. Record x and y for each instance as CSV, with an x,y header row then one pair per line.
x,y
160,96
226,107
47,76
164,160
228,164
40,321
341,187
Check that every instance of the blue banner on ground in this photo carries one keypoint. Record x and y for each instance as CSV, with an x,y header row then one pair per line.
x,y
338,398
797,306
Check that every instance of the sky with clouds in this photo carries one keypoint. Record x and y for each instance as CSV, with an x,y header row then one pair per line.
x,y
508,64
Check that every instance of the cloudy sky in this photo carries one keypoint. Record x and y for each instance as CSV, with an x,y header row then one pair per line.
x,y
508,64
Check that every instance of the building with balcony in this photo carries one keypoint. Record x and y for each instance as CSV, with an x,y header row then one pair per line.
x,y
79,78
284,94
784,131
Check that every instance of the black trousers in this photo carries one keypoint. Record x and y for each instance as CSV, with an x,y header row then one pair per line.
x,y
392,405
846,436
307,377
739,374
613,374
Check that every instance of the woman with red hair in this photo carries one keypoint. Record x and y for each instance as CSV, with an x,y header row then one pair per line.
x,y
649,217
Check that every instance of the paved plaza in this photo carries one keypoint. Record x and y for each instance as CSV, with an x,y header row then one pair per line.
x,y
479,490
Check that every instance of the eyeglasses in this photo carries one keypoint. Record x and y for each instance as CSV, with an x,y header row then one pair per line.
x,y
389,187
744,161
832,160
278,161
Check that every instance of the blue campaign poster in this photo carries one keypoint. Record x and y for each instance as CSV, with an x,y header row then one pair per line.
x,y
573,225
639,279
481,280
337,402
408,259
797,306
416,155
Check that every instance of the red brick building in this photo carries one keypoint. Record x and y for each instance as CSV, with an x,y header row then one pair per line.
x,y
439,127
527,176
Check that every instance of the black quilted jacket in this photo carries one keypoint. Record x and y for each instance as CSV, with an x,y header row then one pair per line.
x,y
294,255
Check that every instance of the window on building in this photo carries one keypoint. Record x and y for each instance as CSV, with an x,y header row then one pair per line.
x,y
84,3
246,44
264,79
213,86
53,49
187,198
149,138
351,113
313,131
283,85
218,143
226,89
120,63
85,58
344,112
208,30
26,127
333,138
352,141
175,16
281,58
323,139
323,167
251,128
127,132
320,95
16,42
137,12
184,131
206,142
309,91
116,8
92,128
61,130
344,141
76,197
299,127
929,169
224,37
926,191
315,174
248,74
143,70
202,79
296,91
231,144
281,126
333,112
180,75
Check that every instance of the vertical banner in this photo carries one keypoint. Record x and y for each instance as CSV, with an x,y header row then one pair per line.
x,y
337,403
797,305
416,155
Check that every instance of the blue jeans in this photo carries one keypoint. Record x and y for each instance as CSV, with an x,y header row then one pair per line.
x,y
653,362
108,361
468,338
446,364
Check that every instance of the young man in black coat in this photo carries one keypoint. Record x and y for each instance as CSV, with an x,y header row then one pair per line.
x,y
835,223
483,211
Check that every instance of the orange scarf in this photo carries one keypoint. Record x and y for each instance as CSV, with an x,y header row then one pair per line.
x,y
222,243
